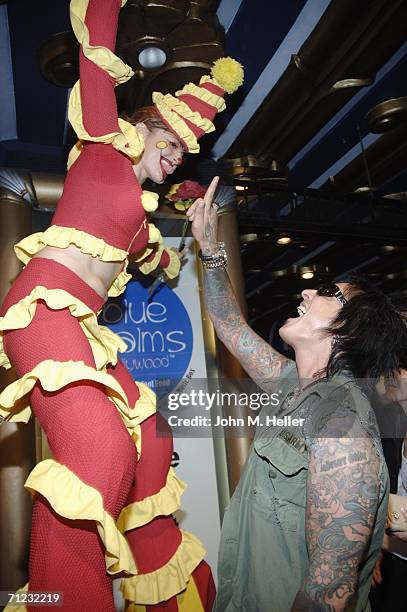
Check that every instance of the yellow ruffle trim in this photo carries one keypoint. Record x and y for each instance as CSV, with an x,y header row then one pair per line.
x,y
174,111
177,124
128,140
163,503
187,601
154,234
55,375
101,56
4,360
62,237
119,284
104,343
73,499
15,607
148,266
183,109
204,94
173,268
154,237
170,579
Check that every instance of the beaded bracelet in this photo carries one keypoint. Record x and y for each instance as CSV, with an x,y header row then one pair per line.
x,y
217,260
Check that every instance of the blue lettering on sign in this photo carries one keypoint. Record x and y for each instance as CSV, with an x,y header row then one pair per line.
x,y
157,331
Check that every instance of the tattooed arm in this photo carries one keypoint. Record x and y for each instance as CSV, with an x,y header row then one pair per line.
x,y
257,357
342,498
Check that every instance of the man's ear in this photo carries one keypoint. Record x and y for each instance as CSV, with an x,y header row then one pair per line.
x,y
142,128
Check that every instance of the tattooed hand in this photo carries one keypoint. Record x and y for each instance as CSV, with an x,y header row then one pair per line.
x,y
204,218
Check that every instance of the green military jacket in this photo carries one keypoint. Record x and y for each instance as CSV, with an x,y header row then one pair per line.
x,y
263,555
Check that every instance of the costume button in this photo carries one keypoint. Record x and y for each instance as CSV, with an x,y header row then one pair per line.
x,y
272,474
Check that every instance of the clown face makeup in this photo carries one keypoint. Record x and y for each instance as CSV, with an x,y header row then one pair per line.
x,y
163,153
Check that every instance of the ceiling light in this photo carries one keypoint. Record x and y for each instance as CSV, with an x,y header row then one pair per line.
x,y
284,240
152,57
240,187
365,189
307,275
248,238
278,273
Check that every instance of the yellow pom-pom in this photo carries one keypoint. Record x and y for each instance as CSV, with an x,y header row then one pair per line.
x,y
149,200
228,73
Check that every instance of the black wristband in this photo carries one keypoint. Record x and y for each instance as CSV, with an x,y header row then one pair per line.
x,y
216,260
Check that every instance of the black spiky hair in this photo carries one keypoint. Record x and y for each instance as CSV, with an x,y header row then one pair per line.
x,y
370,333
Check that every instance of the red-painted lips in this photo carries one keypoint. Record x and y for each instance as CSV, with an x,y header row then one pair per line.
x,y
166,166
163,171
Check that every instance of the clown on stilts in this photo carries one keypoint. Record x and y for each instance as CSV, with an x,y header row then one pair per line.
x,y
103,505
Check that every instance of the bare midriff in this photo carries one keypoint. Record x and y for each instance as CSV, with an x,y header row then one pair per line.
x,y
96,273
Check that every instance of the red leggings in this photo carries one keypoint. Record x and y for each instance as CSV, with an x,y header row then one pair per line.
x,y
155,543
83,427
86,434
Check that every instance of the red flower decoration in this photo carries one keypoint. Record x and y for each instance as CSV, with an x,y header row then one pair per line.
x,y
188,190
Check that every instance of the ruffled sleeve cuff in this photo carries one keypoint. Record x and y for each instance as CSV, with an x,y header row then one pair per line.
x,y
169,580
162,257
170,262
163,503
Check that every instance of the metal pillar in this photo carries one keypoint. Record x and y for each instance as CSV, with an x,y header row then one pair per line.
x,y
237,448
17,441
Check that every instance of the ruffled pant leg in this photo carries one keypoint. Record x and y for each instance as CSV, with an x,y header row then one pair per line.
x,y
87,437
172,573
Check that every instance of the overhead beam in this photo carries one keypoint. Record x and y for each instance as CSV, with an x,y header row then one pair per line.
x,y
344,160
297,35
227,11
347,108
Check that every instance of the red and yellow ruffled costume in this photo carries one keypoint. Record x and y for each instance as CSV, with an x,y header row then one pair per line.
x,y
103,504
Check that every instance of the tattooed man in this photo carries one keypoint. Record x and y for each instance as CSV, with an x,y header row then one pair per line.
x,y
305,524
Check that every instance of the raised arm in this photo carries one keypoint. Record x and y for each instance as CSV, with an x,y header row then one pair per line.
x,y
262,363
99,107
342,499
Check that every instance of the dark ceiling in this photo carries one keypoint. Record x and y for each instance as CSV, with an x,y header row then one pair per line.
x,y
312,162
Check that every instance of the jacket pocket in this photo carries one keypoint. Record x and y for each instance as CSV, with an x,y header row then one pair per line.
x,y
279,491
283,455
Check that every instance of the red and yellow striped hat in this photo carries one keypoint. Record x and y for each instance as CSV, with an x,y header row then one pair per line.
x,y
190,113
